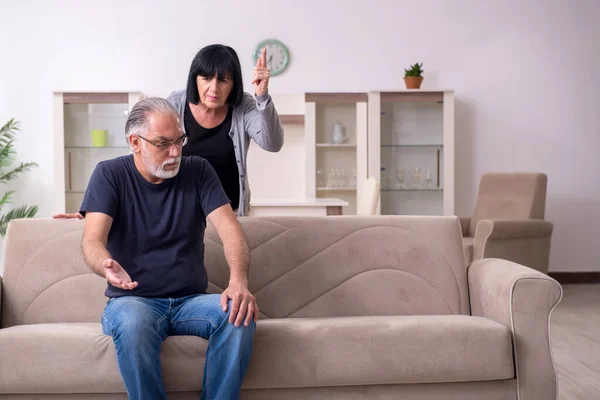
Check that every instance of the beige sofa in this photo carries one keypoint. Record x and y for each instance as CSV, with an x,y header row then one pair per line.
x,y
354,308
508,221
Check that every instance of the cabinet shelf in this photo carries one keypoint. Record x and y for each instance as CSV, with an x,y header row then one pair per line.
x,y
94,147
412,145
414,190
348,145
337,188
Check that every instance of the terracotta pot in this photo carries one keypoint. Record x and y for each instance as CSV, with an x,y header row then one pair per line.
x,y
413,82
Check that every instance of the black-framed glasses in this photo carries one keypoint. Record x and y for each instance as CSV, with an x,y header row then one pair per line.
x,y
163,144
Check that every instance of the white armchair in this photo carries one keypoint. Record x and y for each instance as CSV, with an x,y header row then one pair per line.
x,y
367,204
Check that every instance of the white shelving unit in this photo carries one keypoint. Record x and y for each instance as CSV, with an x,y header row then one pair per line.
x,y
411,129
76,114
385,130
336,169
278,180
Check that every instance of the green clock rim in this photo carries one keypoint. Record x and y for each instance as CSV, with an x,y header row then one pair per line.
x,y
285,50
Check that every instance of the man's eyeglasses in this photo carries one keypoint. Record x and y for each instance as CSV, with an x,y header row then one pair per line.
x,y
163,144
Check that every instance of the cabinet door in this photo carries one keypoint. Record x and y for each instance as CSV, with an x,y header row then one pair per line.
x,y
408,147
337,146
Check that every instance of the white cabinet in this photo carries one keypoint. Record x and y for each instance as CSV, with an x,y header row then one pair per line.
x,y
76,115
385,134
411,151
336,146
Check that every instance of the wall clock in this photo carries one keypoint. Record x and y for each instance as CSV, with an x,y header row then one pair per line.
x,y
278,55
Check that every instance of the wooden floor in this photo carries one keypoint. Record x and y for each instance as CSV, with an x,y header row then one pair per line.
x,y
575,335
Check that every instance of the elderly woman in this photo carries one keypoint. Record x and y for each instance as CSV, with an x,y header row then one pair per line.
x,y
220,119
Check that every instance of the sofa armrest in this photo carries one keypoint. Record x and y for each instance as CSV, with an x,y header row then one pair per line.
x,y
522,299
464,225
513,228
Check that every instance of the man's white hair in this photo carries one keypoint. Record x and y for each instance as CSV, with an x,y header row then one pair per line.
x,y
139,117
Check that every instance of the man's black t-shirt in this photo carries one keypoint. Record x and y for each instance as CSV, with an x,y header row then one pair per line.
x,y
157,232
216,146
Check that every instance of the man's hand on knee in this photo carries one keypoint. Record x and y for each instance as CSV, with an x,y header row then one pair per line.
x,y
243,304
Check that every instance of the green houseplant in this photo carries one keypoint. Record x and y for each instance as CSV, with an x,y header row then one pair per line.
x,y
7,173
413,76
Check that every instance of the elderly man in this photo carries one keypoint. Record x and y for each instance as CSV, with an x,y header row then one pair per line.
x,y
145,217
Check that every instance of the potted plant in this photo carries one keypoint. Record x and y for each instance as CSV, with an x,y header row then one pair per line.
x,y
414,76
7,156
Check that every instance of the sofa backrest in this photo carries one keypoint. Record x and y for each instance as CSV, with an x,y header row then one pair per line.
x,y
300,267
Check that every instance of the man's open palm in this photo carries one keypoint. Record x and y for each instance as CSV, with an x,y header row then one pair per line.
x,y
117,276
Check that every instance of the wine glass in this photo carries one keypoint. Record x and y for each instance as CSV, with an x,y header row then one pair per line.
x,y
343,178
320,178
428,179
332,178
400,177
416,178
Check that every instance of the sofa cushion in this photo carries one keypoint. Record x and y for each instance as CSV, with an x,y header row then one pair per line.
x,y
378,350
78,358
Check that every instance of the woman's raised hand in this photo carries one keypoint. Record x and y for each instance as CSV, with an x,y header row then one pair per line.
x,y
261,75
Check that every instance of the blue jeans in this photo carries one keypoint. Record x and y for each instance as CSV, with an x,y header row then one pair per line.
x,y
139,325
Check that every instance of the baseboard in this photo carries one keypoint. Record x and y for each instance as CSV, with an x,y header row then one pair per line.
x,y
576,277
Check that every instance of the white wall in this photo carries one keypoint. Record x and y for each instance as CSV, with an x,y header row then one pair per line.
x,y
525,75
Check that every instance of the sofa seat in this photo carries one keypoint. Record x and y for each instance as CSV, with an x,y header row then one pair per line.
x,y
370,350
289,353
78,358
286,353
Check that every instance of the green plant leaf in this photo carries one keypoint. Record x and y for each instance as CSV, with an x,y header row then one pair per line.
x,y
8,132
8,176
414,70
8,154
17,213
5,199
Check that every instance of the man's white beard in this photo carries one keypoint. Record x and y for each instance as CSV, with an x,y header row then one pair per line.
x,y
158,170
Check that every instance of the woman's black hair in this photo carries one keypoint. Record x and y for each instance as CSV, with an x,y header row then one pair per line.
x,y
219,60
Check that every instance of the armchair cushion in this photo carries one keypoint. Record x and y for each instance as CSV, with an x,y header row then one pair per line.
x,y
510,196
513,229
496,238
521,299
526,242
